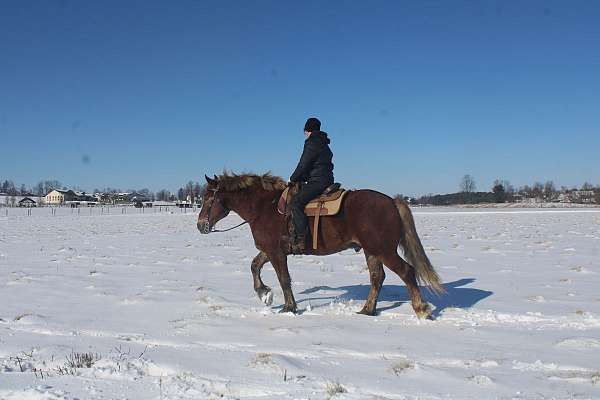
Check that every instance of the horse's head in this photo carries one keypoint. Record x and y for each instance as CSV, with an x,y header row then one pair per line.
x,y
213,210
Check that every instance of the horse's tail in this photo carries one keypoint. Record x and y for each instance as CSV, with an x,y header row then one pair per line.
x,y
414,252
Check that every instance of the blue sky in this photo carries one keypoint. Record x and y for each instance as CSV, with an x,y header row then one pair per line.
x,y
413,94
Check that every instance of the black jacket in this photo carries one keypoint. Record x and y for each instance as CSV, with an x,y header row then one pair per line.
x,y
315,164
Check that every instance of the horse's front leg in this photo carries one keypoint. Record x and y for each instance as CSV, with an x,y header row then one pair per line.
x,y
279,262
262,291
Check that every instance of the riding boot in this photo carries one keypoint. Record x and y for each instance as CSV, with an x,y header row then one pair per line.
x,y
298,243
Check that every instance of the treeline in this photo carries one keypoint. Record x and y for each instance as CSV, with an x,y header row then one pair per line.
x,y
501,191
41,189
189,191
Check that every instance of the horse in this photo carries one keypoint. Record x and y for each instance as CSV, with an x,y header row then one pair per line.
x,y
368,220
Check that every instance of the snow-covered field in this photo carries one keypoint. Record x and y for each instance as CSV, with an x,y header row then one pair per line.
x,y
166,313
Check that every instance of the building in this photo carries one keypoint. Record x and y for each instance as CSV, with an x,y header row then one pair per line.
x,y
7,200
84,198
138,198
582,196
57,197
27,202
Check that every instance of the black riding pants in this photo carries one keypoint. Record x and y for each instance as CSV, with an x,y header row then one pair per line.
x,y
308,191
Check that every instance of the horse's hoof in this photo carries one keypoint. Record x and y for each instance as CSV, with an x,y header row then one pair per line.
x,y
364,311
286,310
265,295
424,312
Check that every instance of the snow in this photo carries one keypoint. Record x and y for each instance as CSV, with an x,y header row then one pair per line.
x,y
167,313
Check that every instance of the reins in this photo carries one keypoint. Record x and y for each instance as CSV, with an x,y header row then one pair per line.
x,y
229,229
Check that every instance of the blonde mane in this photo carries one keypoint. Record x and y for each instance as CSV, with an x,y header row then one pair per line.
x,y
232,182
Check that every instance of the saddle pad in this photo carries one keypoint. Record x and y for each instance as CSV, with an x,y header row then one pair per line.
x,y
331,203
326,207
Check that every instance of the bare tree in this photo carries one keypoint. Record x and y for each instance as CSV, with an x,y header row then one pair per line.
x,y
525,191
537,190
44,187
163,195
8,187
509,191
199,190
189,191
467,184
508,188
549,191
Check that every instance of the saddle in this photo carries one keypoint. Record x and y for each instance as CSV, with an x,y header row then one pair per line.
x,y
326,204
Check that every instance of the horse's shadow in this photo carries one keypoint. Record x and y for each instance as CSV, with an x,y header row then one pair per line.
x,y
455,296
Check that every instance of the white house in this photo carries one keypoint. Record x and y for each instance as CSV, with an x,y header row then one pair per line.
x,y
58,196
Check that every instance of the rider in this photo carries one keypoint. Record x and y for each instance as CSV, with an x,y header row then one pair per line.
x,y
314,173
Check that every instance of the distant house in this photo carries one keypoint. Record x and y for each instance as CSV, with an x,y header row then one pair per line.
x,y
138,198
120,198
58,196
7,200
83,196
103,198
184,204
159,203
564,198
62,197
27,202
582,196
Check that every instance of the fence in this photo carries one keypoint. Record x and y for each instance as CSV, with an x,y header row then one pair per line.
x,y
90,211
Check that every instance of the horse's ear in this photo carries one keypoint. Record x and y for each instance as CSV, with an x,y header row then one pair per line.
x,y
210,181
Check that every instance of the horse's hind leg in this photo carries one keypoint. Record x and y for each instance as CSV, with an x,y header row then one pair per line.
x,y
263,291
377,276
407,274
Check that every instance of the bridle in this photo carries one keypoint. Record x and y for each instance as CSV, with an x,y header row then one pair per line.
x,y
227,209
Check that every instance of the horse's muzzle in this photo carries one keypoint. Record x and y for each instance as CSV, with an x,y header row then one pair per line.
x,y
203,226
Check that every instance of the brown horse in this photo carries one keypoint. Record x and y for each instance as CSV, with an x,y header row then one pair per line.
x,y
369,220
